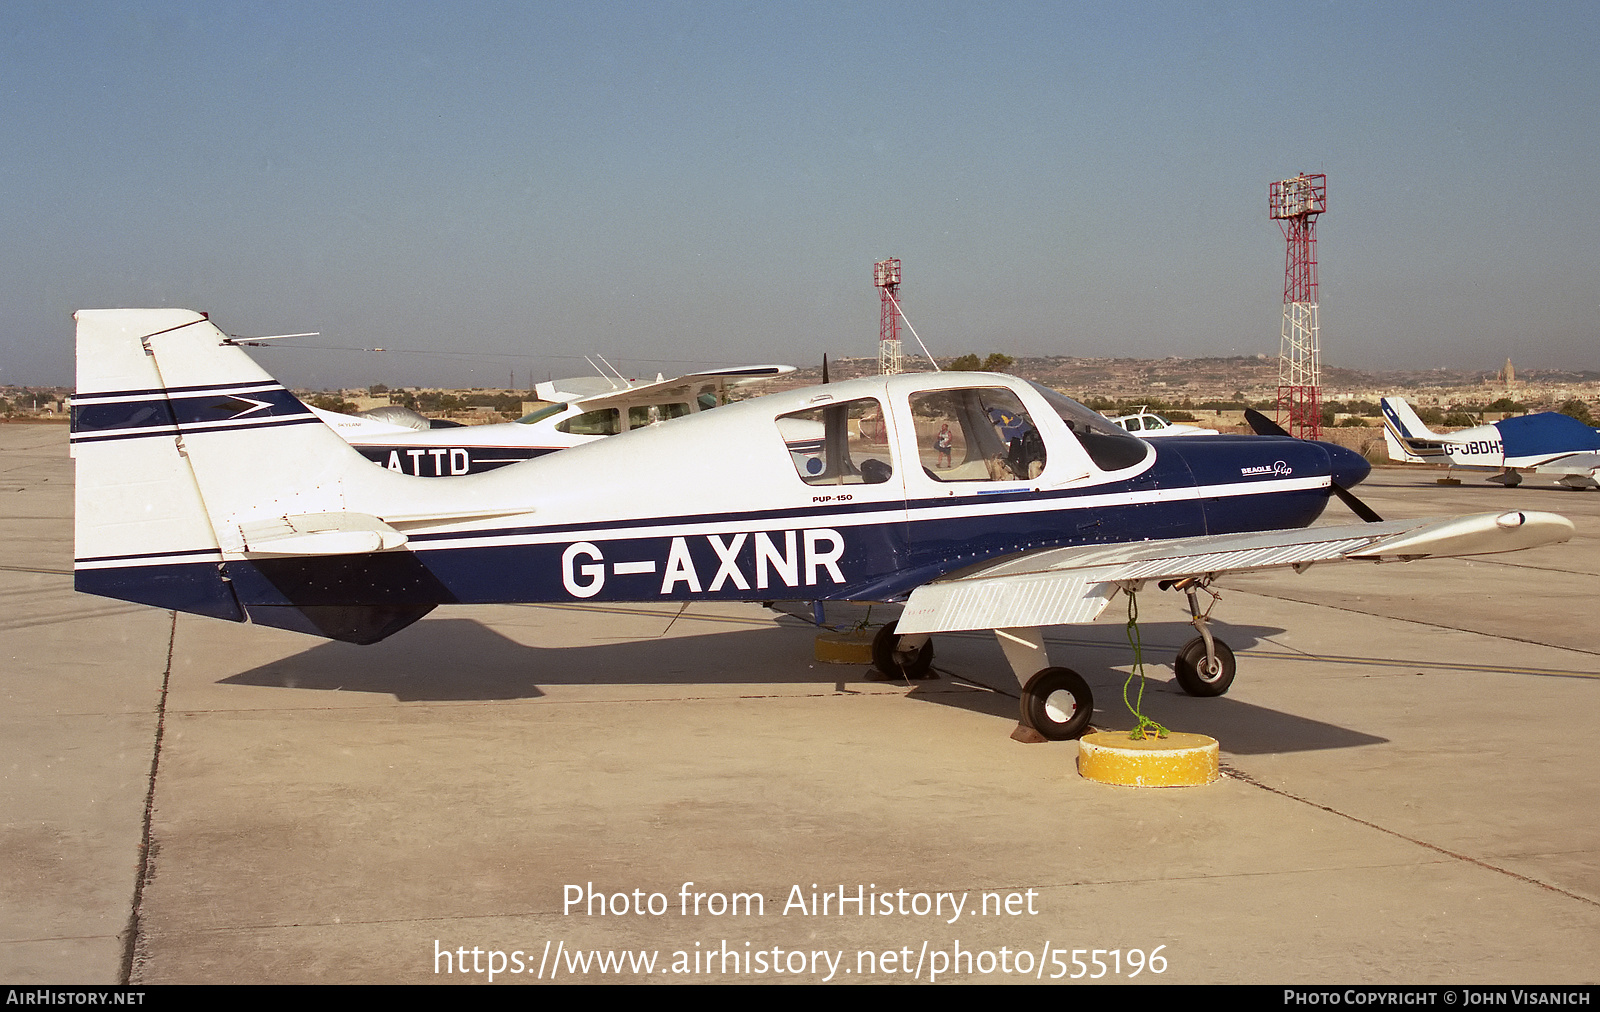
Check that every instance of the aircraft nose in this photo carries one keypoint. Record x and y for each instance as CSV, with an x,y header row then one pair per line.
x,y
1346,467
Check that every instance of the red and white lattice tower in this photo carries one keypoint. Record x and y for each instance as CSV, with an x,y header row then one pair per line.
x,y
1294,204
886,275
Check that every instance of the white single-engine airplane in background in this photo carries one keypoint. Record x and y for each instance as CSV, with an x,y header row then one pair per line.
x,y
582,409
1146,424
204,486
1543,443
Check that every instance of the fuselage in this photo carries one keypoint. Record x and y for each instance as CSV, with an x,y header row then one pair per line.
x,y
715,506
861,490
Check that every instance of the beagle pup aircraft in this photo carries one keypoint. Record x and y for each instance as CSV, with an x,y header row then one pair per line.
x,y
582,410
1543,443
204,486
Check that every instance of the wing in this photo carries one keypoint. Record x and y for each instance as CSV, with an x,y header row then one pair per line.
x,y
1065,586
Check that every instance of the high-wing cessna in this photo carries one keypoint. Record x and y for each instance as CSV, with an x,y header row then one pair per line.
x,y
582,410
204,486
1543,443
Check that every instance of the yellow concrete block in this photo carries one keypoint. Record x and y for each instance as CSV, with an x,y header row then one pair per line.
x,y
844,647
1178,760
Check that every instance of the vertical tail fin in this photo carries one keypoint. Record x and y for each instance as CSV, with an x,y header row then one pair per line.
x,y
198,473
1407,438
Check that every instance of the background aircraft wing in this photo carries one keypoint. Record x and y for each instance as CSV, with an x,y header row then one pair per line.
x,y
1065,586
712,381
595,392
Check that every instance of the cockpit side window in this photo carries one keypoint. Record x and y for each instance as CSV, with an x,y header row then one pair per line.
x,y
1109,446
601,422
839,444
641,415
976,434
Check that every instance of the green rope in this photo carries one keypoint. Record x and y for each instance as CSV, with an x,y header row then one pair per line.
x,y
1146,727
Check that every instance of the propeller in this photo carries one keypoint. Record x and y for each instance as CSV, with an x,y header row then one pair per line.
x,y
1264,426
824,367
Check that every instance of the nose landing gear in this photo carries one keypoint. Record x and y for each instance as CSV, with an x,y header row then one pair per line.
x,y
1205,666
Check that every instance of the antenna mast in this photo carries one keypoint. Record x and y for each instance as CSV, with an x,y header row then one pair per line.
x,y
886,276
1295,204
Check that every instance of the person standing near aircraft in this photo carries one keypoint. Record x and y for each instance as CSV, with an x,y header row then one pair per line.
x,y
943,443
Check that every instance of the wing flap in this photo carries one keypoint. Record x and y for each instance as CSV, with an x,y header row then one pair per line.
x,y
1003,602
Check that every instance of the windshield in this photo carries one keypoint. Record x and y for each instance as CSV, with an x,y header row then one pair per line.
x,y
1108,445
541,414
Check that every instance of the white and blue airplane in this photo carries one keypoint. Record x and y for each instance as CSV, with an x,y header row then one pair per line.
x,y
580,410
1543,443
206,487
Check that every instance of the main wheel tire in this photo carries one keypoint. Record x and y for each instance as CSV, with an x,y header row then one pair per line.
x,y
911,664
1195,676
1058,704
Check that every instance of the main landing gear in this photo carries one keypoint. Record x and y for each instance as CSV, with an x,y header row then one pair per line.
x,y
908,657
1057,704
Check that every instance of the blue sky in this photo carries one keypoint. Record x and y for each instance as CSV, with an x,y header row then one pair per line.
x,y
675,185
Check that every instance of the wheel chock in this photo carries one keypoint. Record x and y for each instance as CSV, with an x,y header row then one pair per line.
x,y
1178,760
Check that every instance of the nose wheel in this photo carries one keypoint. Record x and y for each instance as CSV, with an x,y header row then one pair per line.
x,y
1205,665
1202,675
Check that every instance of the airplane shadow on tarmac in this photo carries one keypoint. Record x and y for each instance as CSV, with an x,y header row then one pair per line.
x,y
463,660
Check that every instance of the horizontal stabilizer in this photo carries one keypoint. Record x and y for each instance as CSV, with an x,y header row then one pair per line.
x,y
317,534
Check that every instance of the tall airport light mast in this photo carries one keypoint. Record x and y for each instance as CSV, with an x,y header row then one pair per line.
x,y
886,275
1294,204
